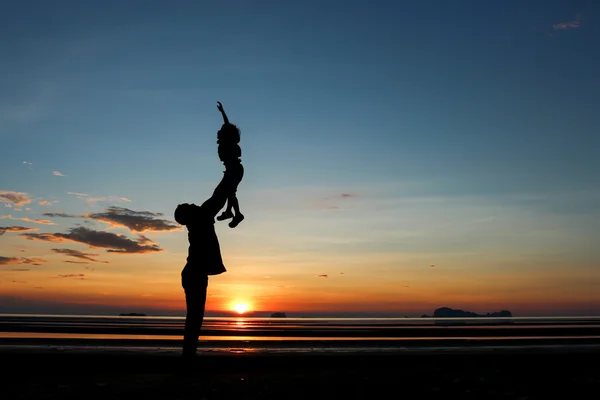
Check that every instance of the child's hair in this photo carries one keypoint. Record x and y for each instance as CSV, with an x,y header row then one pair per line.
x,y
182,213
229,133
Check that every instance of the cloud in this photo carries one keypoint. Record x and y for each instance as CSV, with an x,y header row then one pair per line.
x,y
20,260
16,198
113,199
62,215
8,260
32,261
322,276
20,269
4,229
78,254
29,165
432,266
76,262
342,196
35,221
80,276
57,173
135,221
46,237
45,203
92,200
112,242
568,24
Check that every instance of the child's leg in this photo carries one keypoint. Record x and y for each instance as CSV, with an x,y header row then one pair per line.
x,y
227,213
238,217
234,203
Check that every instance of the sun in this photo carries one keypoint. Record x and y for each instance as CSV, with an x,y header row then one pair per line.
x,y
240,308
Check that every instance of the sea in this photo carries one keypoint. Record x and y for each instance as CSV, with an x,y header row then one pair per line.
x,y
250,334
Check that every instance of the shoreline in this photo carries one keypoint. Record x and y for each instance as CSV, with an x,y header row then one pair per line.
x,y
304,343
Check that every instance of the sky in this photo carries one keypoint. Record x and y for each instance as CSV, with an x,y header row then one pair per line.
x,y
399,156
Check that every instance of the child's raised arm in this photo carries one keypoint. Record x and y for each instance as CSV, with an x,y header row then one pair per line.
x,y
220,107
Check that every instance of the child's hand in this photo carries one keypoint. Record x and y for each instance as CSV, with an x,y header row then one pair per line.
x,y
219,106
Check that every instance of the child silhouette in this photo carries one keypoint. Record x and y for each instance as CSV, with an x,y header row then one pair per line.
x,y
230,153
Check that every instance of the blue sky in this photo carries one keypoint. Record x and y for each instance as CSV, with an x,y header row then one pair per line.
x,y
390,128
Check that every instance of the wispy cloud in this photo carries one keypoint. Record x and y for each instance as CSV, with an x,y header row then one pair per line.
x,y
21,260
322,276
112,199
62,215
108,240
15,198
342,196
29,165
568,24
4,229
78,254
78,276
92,200
57,173
45,203
32,260
135,221
25,219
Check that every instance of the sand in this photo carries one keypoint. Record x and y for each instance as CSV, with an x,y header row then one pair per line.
x,y
480,374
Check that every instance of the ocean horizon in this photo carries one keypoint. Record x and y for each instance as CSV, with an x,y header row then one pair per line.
x,y
299,334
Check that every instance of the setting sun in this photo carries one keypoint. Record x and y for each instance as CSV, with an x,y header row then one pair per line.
x,y
240,308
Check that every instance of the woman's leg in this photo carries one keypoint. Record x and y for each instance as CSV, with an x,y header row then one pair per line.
x,y
195,301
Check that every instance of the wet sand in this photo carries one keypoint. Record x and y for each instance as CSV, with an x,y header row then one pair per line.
x,y
493,373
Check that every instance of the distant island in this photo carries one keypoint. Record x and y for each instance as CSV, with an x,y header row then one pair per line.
x,y
278,315
132,315
447,312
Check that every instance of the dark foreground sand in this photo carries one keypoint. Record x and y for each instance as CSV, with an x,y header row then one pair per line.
x,y
513,374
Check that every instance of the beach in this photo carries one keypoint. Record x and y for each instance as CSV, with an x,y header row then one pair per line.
x,y
272,359
493,374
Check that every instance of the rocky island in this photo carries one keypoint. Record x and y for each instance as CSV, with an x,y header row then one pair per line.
x,y
447,312
278,315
